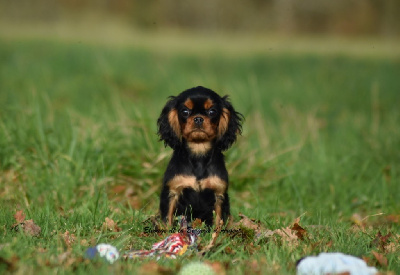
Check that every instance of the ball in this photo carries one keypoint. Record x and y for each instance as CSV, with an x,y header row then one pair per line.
x,y
196,268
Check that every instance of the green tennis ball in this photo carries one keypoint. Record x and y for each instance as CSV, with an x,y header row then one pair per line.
x,y
196,268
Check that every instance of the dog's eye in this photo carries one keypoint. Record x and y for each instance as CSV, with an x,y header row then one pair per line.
x,y
212,112
185,113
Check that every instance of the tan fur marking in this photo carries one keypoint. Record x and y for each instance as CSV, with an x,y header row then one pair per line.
x,y
199,139
176,186
174,122
214,183
219,186
199,149
189,103
178,183
218,214
172,207
223,122
208,104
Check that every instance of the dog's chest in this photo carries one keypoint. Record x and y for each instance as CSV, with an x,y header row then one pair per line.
x,y
179,182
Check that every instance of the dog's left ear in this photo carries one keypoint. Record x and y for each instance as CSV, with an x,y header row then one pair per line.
x,y
169,128
230,125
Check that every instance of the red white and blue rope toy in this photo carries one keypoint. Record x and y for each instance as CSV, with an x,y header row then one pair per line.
x,y
172,246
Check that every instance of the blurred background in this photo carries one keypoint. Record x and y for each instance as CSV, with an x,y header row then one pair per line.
x,y
119,21
82,83
340,17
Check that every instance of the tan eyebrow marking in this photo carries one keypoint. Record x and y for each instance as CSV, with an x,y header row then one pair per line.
x,y
189,103
208,104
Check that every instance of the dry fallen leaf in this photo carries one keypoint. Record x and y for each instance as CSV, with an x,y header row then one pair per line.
x,y
30,228
254,266
196,223
152,268
260,232
63,257
218,267
84,242
119,189
382,260
110,225
392,247
246,222
299,231
19,216
287,235
68,238
381,241
393,218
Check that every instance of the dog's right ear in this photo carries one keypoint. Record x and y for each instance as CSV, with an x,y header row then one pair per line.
x,y
169,128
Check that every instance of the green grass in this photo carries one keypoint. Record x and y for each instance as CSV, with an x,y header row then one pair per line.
x,y
78,144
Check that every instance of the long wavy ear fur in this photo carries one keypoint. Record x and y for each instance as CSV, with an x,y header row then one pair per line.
x,y
168,124
230,125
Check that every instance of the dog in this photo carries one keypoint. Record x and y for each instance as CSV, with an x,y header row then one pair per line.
x,y
198,125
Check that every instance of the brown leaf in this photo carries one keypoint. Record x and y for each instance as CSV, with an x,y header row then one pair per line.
x,y
135,202
254,266
84,242
263,233
260,231
196,223
152,268
382,260
381,241
229,250
63,257
287,235
110,225
299,231
19,216
246,222
393,218
68,238
368,260
218,267
118,189
391,247
31,228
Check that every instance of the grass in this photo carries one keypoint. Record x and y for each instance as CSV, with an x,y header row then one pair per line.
x,y
78,145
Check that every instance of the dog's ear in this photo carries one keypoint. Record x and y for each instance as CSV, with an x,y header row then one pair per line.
x,y
230,125
169,129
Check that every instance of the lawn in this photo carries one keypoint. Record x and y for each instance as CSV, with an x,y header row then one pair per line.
x,y
79,155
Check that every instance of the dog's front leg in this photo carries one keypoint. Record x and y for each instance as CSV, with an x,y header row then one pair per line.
x,y
173,201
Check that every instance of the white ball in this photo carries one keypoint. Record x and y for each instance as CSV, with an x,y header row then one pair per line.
x,y
109,252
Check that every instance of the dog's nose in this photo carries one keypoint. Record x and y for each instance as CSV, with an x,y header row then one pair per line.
x,y
198,120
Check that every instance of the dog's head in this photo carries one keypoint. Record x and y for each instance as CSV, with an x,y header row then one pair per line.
x,y
199,119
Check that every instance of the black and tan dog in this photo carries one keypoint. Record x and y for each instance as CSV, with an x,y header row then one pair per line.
x,y
198,125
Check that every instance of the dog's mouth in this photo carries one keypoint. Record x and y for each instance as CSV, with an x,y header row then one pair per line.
x,y
198,135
